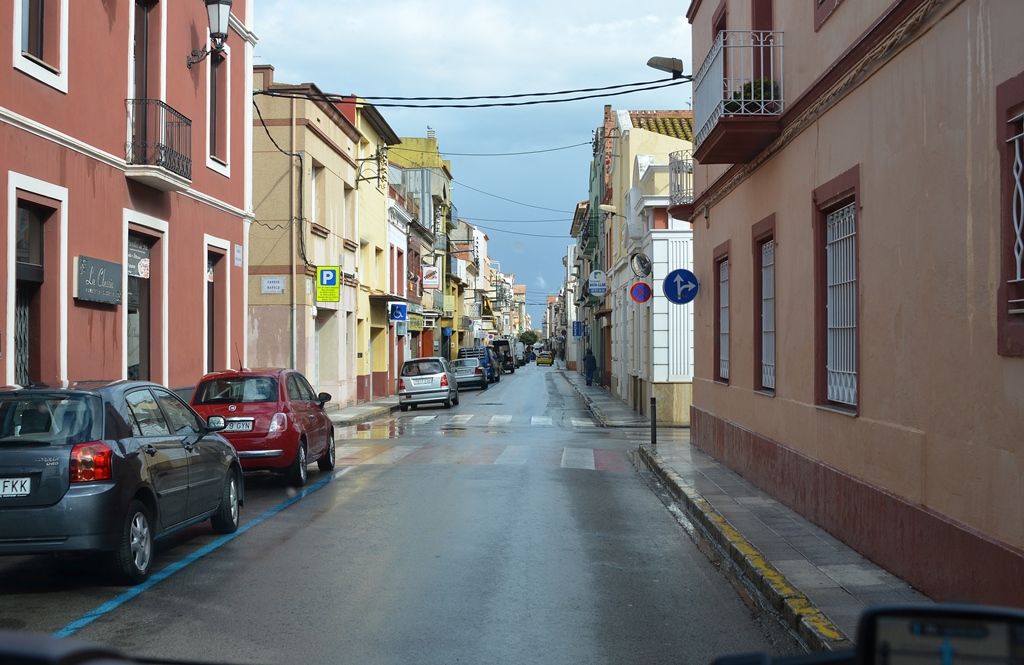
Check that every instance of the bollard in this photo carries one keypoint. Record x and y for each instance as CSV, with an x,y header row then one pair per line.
x,y
654,423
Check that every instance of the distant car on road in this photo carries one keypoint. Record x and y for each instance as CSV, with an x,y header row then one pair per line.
x,y
110,466
545,358
274,419
469,372
426,381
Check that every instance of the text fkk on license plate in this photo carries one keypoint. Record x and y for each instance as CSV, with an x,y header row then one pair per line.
x,y
14,486
239,426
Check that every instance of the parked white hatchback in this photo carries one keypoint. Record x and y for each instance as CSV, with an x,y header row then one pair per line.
x,y
426,381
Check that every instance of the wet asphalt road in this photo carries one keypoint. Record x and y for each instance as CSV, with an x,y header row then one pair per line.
x,y
507,529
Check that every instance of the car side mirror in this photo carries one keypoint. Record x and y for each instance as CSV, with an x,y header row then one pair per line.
x,y
940,633
216,423
323,398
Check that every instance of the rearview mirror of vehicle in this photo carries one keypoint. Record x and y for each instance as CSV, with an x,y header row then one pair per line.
x,y
943,634
216,423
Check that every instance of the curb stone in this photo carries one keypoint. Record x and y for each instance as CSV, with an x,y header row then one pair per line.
x,y
796,609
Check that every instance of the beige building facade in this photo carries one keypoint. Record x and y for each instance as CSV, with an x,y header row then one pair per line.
x,y
860,334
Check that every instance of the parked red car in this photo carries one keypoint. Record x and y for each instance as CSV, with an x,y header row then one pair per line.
x,y
274,419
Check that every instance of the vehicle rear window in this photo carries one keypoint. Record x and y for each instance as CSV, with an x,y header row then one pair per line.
x,y
465,362
50,418
236,389
421,367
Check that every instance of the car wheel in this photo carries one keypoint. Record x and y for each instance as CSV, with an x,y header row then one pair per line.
x,y
448,401
134,554
326,463
403,407
456,402
297,473
226,518
483,384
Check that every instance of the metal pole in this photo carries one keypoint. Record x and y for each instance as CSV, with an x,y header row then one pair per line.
x,y
654,423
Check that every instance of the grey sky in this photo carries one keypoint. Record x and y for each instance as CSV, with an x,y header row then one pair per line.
x,y
450,48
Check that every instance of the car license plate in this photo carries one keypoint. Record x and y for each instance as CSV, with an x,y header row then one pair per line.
x,y
14,487
422,382
239,426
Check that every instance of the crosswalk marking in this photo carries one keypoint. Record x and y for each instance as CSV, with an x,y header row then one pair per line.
x,y
493,420
514,455
578,458
590,459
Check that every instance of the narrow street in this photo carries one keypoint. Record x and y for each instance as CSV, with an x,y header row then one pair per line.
x,y
508,529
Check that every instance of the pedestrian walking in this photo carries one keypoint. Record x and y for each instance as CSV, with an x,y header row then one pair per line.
x,y
561,359
589,365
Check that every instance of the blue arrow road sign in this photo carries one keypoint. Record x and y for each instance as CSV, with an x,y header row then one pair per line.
x,y
681,286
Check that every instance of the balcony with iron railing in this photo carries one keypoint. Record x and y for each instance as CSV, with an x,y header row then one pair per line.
x,y
159,153
738,97
680,184
590,235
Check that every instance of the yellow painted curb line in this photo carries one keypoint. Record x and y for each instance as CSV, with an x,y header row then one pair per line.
x,y
794,604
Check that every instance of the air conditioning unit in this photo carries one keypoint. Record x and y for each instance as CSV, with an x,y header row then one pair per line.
x,y
428,322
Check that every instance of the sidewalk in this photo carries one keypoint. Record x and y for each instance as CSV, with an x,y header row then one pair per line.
x,y
361,413
817,583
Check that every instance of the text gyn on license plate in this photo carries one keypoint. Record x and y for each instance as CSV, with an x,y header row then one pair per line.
x,y
239,426
14,486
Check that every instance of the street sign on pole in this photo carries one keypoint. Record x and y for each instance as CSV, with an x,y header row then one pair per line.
x,y
681,286
598,284
640,292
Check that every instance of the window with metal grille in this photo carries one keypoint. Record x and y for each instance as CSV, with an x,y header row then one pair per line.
x,y
1010,296
768,314
1015,301
841,289
723,319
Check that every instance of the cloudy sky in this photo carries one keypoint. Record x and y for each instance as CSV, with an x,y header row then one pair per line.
x,y
457,48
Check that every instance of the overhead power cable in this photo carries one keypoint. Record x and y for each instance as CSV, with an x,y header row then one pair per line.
x,y
520,233
520,95
348,98
480,191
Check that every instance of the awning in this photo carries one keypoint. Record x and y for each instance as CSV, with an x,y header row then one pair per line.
x,y
603,312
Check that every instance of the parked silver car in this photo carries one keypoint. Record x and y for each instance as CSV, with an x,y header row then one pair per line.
x,y
425,381
470,372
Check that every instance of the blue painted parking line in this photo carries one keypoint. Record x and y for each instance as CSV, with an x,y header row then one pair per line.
x,y
158,577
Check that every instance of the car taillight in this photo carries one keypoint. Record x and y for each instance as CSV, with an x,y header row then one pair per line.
x,y
444,380
401,385
91,461
478,370
278,423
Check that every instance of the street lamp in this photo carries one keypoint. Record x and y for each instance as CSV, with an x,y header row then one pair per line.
x,y
673,66
218,12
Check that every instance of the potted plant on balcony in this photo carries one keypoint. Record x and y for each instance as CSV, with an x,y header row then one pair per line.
x,y
758,97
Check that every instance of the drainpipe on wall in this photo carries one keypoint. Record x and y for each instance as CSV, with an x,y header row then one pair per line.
x,y
292,226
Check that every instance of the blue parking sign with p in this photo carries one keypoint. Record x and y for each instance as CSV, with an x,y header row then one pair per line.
x,y
328,288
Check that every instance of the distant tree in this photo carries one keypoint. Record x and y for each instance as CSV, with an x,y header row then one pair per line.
x,y
529,337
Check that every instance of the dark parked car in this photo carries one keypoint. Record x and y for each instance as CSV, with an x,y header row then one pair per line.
x,y
274,419
110,466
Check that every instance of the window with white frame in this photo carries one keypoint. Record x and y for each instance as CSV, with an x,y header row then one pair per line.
x,y
768,314
841,290
41,38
